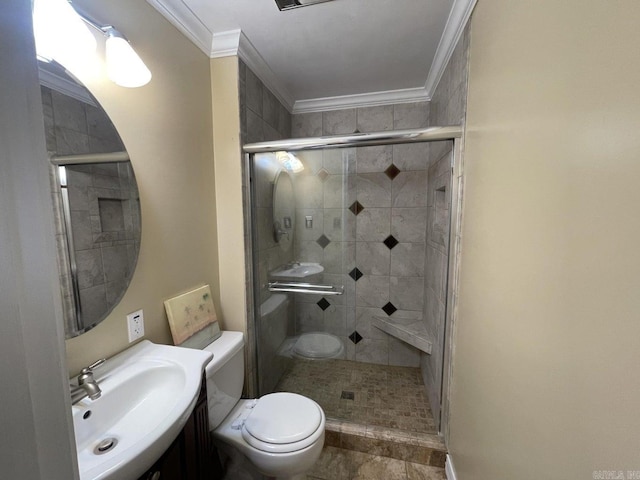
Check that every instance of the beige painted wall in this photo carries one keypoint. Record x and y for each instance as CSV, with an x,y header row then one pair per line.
x,y
167,129
545,379
228,158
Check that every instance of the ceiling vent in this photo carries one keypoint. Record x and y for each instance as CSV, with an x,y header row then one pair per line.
x,y
289,4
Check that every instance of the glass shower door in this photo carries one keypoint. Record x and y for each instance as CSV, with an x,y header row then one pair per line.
x,y
351,279
305,245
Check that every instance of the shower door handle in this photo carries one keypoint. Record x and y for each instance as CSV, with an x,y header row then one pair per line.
x,y
308,288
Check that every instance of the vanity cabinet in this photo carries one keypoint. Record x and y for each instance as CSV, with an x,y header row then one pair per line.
x,y
191,456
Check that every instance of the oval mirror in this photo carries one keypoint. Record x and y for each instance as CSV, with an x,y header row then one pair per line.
x,y
283,210
95,199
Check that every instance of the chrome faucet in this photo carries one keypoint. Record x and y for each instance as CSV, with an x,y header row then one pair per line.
x,y
87,385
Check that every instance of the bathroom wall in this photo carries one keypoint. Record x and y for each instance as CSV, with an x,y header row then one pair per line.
x,y
372,241
263,118
166,126
448,107
545,381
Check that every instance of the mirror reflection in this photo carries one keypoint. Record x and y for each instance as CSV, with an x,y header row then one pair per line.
x,y
95,198
283,210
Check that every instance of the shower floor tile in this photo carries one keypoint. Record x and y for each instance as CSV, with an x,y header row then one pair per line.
x,y
363,393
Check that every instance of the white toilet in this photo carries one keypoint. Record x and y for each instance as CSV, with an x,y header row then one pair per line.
x,y
282,434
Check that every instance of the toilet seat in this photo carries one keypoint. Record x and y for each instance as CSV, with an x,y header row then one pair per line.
x,y
282,423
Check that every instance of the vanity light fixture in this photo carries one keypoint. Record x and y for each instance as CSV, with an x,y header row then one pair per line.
x,y
124,66
290,162
62,35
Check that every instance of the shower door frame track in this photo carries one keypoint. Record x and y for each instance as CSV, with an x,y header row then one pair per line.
x,y
454,133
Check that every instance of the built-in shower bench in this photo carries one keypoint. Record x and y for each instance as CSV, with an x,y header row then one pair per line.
x,y
410,330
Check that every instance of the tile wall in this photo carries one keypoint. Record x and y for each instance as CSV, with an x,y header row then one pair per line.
x,y
377,218
448,107
105,219
262,118
369,211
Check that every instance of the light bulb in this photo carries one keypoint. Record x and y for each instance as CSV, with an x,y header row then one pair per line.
x,y
124,66
60,33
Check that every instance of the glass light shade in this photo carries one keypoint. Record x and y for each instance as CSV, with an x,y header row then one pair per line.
x,y
124,66
60,33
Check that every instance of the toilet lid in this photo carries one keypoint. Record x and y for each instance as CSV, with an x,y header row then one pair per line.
x,y
281,419
318,345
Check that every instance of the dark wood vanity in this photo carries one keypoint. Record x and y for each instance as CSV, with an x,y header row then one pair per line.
x,y
192,455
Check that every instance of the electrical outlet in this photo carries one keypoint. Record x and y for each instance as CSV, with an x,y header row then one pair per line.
x,y
135,325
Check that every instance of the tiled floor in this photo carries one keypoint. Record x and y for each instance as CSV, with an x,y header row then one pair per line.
x,y
367,394
339,464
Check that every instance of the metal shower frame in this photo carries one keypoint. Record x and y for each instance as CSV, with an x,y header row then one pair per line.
x,y
431,134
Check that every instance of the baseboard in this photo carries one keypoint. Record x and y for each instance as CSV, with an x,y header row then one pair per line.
x,y
449,471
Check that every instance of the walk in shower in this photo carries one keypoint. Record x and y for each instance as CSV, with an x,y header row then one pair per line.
x,y
351,240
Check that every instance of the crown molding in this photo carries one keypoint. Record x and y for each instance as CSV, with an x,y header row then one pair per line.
x,y
225,44
65,87
252,58
183,18
234,42
373,99
458,18
222,44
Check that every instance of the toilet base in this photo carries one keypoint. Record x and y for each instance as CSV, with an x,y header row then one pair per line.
x,y
278,465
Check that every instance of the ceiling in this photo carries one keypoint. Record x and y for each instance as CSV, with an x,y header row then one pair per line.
x,y
330,55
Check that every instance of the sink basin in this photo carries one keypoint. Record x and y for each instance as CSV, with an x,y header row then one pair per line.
x,y
300,270
148,393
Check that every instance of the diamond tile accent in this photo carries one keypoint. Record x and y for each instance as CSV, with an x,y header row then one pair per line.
x,y
323,241
355,337
323,303
356,208
390,242
347,395
392,171
355,274
323,174
389,308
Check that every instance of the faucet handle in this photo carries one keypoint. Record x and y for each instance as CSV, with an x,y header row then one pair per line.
x,y
93,366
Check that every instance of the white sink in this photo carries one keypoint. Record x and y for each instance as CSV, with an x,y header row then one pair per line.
x,y
148,393
298,270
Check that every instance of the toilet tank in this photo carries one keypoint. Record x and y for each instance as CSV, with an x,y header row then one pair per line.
x,y
225,375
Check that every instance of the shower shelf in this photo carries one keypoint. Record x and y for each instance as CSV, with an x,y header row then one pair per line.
x,y
409,330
